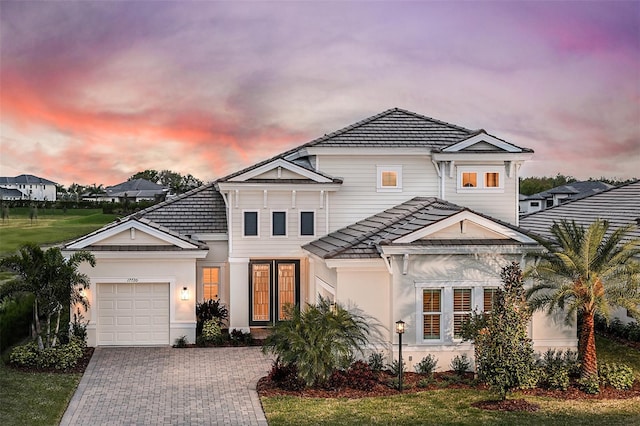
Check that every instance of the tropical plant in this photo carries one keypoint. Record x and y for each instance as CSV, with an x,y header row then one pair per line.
x,y
503,350
427,365
210,310
318,339
584,273
53,280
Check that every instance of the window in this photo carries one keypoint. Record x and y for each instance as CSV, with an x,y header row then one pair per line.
x,y
491,180
431,314
250,223
307,223
461,309
469,180
550,203
535,204
210,283
389,178
480,178
489,297
279,223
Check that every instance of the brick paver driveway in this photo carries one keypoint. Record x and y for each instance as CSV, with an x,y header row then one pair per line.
x,y
155,386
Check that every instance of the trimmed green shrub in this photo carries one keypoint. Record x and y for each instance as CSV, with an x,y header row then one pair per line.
x,y
239,337
618,376
557,368
181,342
61,357
589,385
211,332
15,320
427,365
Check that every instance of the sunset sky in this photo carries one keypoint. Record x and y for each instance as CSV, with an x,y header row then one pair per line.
x,y
92,92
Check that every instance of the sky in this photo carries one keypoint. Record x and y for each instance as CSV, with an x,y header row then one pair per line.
x,y
95,91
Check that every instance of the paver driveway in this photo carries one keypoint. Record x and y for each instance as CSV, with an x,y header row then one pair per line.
x,y
163,385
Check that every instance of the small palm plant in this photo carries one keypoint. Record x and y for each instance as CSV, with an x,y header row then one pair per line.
x,y
318,339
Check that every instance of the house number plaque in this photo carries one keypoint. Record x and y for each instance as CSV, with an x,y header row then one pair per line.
x,y
132,280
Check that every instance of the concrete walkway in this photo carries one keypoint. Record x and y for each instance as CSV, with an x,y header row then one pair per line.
x,y
167,386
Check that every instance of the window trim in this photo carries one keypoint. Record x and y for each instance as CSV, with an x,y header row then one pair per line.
x,y
315,223
481,172
388,168
257,212
286,224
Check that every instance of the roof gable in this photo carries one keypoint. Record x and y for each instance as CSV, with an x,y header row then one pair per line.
x,y
274,170
482,141
134,233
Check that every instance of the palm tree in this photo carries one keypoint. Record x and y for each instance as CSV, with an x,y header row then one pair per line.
x,y
52,279
587,272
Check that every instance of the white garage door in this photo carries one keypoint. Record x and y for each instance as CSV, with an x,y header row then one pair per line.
x,y
133,314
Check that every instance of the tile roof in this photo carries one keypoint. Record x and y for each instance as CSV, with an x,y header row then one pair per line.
x,y
619,205
199,211
575,189
361,239
25,179
393,128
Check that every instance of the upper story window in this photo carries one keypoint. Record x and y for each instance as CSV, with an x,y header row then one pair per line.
x,y
480,179
307,223
389,178
250,223
278,224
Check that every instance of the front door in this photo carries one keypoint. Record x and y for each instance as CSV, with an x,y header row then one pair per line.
x,y
273,284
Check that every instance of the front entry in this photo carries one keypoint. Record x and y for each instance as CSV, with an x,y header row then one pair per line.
x,y
273,284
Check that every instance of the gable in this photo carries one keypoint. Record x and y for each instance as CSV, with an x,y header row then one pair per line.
x,y
280,169
465,225
482,141
133,233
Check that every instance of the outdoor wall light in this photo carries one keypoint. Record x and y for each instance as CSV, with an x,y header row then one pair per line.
x,y
184,293
83,293
400,330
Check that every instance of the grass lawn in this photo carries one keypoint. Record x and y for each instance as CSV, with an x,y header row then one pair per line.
x,y
51,226
453,406
34,398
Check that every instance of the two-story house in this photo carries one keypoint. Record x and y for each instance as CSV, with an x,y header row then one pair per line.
x,y
406,217
28,187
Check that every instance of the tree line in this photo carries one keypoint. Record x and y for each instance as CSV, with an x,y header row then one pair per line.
x,y
533,185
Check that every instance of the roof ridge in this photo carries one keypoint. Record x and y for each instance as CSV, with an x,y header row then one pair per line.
x,y
172,200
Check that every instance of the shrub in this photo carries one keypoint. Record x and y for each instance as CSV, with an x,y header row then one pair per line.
x,y
634,331
15,320
181,342
503,350
285,376
62,357
239,337
424,383
376,361
589,385
78,327
361,376
394,367
211,332
210,310
556,368
618,328
427,365
460,364
618,376
318,339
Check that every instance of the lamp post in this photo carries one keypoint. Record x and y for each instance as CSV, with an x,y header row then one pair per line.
x,y
400,331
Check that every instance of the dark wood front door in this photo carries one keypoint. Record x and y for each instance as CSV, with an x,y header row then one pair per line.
x,y
273,284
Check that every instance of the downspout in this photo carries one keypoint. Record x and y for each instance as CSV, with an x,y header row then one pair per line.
x,y
229,222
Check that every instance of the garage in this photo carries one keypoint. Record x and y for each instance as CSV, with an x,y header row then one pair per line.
x,y
132,314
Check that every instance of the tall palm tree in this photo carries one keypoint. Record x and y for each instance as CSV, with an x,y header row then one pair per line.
x,y
52,279
587,272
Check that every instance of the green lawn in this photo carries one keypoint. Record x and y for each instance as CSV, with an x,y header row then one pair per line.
x,y
51,226
34,398
453,406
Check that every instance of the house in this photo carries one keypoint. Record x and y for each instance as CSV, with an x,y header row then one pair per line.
x,y
407,217
620,206
27,187
132,190
560,194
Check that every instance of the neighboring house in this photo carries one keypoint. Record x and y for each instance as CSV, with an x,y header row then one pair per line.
x,y
560,194
620,206
407,217
28,187
132,190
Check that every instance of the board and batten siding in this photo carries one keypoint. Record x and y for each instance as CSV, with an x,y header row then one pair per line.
x,y
266,245
358,197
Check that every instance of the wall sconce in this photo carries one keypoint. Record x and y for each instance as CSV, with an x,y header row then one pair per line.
x,y
82,292
400,330
184,293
